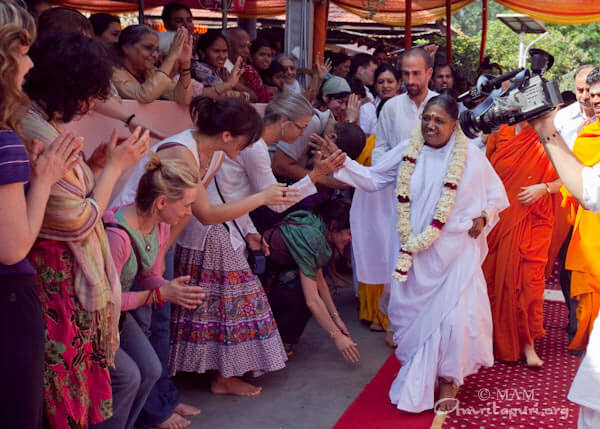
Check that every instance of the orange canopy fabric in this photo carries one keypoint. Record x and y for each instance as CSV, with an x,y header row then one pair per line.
x,y
389,12
392,11
557,11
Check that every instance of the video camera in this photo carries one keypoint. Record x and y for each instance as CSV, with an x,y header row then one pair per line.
x,y
527,97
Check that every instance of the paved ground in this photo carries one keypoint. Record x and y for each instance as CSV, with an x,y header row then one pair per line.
x,y
312,392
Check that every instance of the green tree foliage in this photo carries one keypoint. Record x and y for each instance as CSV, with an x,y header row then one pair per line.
x,y
571,45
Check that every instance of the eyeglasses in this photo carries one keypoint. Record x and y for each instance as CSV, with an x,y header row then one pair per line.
x,y
300,127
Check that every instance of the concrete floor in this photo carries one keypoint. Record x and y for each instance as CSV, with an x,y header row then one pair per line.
x,y
312,392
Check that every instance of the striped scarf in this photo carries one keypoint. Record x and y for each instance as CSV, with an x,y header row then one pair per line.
x,y
72,216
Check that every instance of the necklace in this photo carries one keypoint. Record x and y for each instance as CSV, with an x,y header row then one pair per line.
x,y
148,240
411,243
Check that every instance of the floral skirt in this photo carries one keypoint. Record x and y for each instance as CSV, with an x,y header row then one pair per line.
x,y
235,331
77,389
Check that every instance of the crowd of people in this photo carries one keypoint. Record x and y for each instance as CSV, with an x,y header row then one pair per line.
x,y
215,252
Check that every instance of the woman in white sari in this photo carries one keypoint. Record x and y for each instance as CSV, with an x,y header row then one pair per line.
x,y
447,197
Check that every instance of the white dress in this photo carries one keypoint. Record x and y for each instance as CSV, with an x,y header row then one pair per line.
x,y
441,314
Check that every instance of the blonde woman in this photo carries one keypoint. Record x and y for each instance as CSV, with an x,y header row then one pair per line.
x,y
139,234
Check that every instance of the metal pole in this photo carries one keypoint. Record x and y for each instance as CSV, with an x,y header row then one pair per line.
x,y
407,24
448,32
484,24
522,50
225,6
140,11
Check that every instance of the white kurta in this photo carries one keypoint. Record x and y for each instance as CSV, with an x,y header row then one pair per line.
x,y
584,390
441,313
397,120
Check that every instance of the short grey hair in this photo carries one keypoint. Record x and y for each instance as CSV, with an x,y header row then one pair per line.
x,y
288,105
283,57
133,34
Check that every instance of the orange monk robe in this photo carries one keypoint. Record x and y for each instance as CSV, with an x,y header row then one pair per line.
x,y
583,256
518,245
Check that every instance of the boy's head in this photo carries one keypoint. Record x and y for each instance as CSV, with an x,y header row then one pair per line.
x,y
350,138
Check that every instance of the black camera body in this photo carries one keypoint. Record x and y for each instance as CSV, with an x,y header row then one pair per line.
x,y
528,96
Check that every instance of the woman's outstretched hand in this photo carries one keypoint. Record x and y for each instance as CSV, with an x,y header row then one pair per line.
x,y
179,292
279,194
347,347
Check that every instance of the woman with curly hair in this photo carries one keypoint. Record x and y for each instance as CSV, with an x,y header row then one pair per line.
x,y
76,281
24,190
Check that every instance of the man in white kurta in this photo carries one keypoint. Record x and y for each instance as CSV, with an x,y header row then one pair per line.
x,y
399,117
441,312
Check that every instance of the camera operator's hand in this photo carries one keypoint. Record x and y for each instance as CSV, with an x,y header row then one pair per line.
x,y
544,124
530,194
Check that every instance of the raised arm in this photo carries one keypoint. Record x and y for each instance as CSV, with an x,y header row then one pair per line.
x,y
371,179
569,169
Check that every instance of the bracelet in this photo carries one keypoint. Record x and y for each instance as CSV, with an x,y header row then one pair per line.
x,y
484,216
148,298
128,121
548,188
187,70
335,333
548,138
159,299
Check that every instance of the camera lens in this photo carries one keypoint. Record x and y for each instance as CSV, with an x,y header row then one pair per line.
x,y
468,123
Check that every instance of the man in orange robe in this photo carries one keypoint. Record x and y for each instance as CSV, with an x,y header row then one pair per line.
x,y
518,245
583,255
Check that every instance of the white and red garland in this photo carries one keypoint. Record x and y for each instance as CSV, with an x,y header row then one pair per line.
x,y
411,243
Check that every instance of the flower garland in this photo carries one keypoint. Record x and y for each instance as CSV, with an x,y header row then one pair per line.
x,y
412,244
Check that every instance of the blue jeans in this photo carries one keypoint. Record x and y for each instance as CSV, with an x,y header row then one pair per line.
x,y
156,324
136,370
162,400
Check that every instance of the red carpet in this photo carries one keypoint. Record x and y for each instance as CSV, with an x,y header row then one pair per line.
x,y
535,398
373,409
505,396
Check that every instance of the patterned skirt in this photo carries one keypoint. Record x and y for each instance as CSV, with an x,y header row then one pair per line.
x,y
77,389
234,332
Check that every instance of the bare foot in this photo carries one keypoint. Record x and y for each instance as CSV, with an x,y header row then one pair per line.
x,y
186,410
233,386
376,327
531,357
448,391
389,339
174,422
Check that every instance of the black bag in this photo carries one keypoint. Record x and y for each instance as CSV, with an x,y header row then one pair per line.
x,y
256,258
